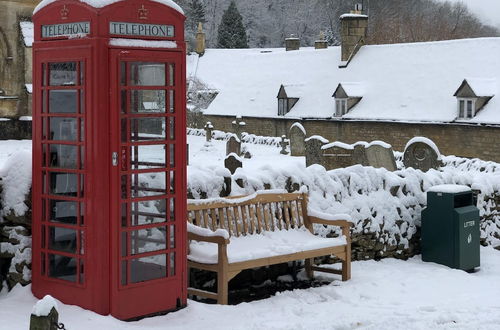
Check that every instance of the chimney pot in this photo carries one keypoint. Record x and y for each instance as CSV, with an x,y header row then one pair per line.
x,y
200,40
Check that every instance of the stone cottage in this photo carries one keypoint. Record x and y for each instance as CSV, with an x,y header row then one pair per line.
x,y
447,91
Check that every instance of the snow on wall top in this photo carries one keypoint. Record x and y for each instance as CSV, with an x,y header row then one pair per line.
x,y
104,3
412,82
28,33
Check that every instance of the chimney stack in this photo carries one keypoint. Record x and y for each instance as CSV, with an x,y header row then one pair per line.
x,y
292,43
321,43
353,34
200,40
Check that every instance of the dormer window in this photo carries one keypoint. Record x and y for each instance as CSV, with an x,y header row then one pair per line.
x,y
340,107
472,95
466,108
285,102
347,95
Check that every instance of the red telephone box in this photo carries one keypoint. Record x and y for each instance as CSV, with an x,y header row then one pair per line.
x,y
109,155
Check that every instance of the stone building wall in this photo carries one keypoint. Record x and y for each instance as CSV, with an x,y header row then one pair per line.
x,y
14,100
470,141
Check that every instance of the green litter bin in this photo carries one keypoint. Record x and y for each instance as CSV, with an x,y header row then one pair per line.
x,y
450,227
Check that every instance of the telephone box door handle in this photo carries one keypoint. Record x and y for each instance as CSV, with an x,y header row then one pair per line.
x,y
115,159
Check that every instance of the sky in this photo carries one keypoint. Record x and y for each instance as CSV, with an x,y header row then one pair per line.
x,y
488,10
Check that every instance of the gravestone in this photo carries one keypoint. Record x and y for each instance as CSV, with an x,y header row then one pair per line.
x,y
284,144
380,155
233,145
208,131
421,153
233,162
313,152
297,137
339,155
238,126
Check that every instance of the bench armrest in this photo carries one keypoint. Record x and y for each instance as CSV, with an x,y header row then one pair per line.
x,y
339,223
196,233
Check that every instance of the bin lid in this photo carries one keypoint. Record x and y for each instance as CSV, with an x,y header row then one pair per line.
x,y
449,188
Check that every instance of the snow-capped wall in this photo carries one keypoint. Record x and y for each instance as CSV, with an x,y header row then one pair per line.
x,y
385,206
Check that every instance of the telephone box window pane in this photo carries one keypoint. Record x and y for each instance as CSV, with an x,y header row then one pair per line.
x,y
63,212
43,261
63,156
44,101
63,129
82,158
123,73
82,101
124,272
65,184
124,244
148,212
82,73
82,212
148,184
148,240
172,264
44,155
124,188
123,101
171,128
147,74
172,182
63,101
172,209
149,268
147,101
171,74
172,236
147,129
44,74
171,101
63,74
43,237
82,130
63,268
124,215
62,239
147,156
82,243
172,155
82,271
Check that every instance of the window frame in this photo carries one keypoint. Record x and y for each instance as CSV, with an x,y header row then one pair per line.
x,y
463,112
343,106
283,103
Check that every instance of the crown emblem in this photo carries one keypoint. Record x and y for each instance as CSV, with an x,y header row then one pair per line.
x,y
143,13
64,12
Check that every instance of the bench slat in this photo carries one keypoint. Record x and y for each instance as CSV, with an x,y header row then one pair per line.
x,y
244,219
255,218
264,198
214,219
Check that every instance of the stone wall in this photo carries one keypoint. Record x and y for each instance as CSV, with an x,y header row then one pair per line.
x,y
14,129
13,57
470,141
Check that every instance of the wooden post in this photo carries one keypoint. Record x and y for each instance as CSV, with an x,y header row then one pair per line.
x,y
48,322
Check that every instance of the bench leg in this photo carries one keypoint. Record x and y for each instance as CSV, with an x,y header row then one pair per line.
x,y
308,265
222,288
346,265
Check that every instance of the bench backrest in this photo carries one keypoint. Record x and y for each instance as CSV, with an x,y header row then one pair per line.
x,y
252,214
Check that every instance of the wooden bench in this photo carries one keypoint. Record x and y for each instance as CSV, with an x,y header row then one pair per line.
x,y
230,235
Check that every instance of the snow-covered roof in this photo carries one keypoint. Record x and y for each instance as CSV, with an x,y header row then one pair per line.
x,y
27,32
353,89
413,82
104,3
483,87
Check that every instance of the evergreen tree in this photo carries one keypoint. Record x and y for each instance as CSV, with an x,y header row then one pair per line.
x,y
195,13
231,32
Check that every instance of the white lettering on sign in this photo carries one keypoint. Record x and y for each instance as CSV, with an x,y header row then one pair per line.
x,y
141,30
67,29
469,224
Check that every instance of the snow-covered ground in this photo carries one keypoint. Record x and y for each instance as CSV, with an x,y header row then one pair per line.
x,y
389,294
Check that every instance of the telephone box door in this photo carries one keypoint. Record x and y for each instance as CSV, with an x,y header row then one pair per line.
x,y
148,182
